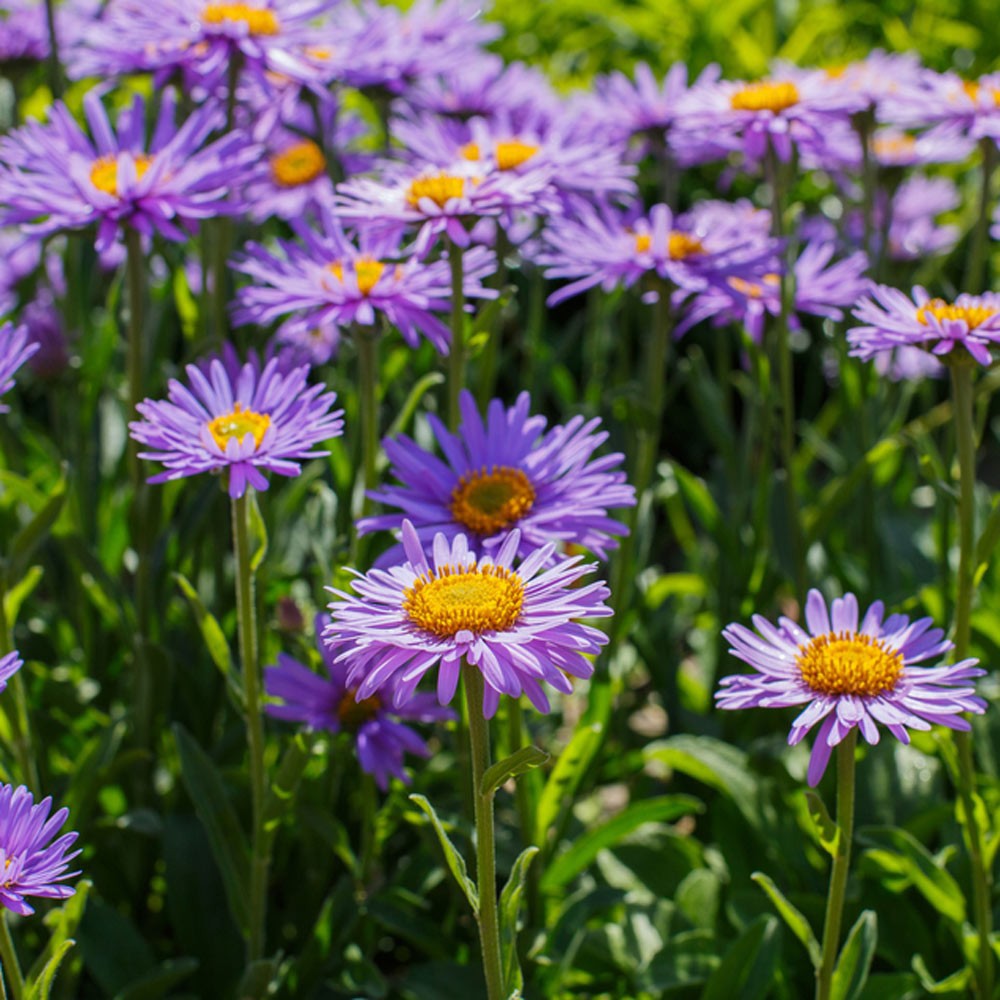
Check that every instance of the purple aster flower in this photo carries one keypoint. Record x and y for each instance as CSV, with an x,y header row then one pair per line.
x,y
16,347
10,663
892,319
24,31
33,864
507,473
880,75
326,282
907,364
914,232
260,421
971,106
327,702
849,676
58,178
515,625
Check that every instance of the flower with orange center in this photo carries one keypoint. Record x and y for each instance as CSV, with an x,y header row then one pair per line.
x,y
298,164
839,663
973,315
237,424
765,95
258,20
680,245
488,502
447,600
354,714
104,172
440,188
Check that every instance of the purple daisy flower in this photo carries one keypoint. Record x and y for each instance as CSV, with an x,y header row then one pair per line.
x,y
327,702
503,474
33,864
515,625
58,178
16,347
848,675
9,665
892,319
971,106
326,282
880,75
260,421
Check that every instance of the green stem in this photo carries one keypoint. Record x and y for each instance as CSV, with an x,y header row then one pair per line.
x,y
841,864
982,878
8,959
456,353
136,280
247,627
491,350
366,340
16,709
489,927
55,70
975,266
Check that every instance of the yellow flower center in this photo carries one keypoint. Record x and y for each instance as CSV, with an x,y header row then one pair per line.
x,y
766,95
487,502
511,155
354,714
259,20
751,289
836,71
840,663
482,599
298,164
366,269
973,315
440,188
971,89
470,151
683,245
104,172
643,241
237,425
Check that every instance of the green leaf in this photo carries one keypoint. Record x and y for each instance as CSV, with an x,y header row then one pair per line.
x,y
17,594
160,982
792,916
454,860
40,988
855,959
827,831
510,908
285,783
748,970
258,534
257,979
34,532
523,760
589,844
228,842
565,777
417,393
214,639
62,923
957,982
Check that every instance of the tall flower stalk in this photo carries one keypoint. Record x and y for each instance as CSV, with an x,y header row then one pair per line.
x,y
456,352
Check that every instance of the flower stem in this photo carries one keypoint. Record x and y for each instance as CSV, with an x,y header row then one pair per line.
x,y
491,350
977,247
982,878
489,928
8,958
55,70
366,340
841,864
456,353
247,627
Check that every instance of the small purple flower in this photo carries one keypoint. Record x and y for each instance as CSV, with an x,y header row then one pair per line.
x,y
260,421
327,702
32,863
849,676
892,319
515,625
10,663
914,232
16,347
503,474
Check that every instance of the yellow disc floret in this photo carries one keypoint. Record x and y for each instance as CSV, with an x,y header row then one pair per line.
x,y
366,269
974,315
259,20
512,154
440,188
298,164
680,245
766,95
448,600
840,663
238,424
104,172
487,502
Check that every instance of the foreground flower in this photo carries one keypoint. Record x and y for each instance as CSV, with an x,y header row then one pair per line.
x,y
891,320
505,474
515,625
31,865
327,702
15,348
259,421
849,676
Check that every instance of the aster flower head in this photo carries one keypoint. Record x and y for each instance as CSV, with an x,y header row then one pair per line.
x,y
380,733
59,178
849,675
880,75
954,331
33,864
507,474
16,346
971,107
261,421
515,625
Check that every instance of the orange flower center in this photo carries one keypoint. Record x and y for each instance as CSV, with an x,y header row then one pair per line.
x,y
366,270
448,600
839,663
440,188
973,315
751,289
238,424
104,172
487,502
470,151
298,164
259,20
766,95
683,245
511,155
354,714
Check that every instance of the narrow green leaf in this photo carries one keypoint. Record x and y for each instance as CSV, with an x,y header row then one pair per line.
x,y
258,534
281,795
589,844
161,981
525,759
827,831
855,959
510,908
957,982
565,777
34,532
792,916
17,594
454,860
748,969
40,988
417,393
227,840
